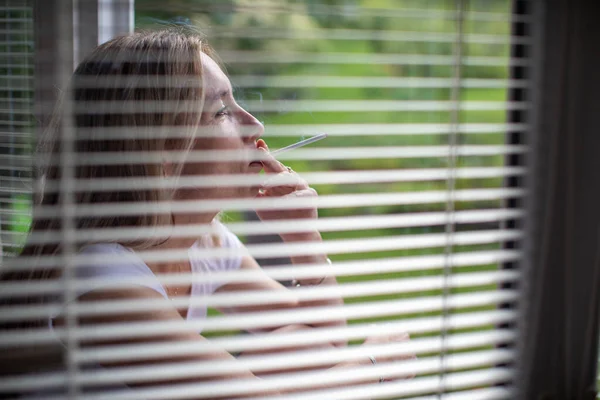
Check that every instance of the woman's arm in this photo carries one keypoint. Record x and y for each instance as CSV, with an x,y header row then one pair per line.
x,y
287,297
285,184
325,279
166,315
163,315
263,282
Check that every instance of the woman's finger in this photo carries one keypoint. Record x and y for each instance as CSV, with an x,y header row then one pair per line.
x,y
285,180
304,193
270,163
260,143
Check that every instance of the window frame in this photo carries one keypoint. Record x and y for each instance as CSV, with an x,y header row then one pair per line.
x,y
559,311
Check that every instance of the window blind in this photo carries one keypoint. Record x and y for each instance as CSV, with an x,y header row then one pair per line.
x,y
415,210
16,121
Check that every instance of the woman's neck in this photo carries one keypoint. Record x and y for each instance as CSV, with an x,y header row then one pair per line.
x,y
183,221
182,265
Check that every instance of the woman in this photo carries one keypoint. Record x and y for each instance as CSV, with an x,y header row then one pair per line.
x,y
164,94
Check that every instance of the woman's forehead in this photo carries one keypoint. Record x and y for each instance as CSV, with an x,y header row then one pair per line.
x,y
216,83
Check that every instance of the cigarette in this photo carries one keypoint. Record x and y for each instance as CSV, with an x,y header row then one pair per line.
x,y
300,144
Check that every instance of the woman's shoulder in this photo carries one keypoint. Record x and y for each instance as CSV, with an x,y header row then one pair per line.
x,y
108,263
109,258
104,248
221,238
228,239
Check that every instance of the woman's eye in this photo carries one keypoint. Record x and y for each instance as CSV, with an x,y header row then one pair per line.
x,y
222,111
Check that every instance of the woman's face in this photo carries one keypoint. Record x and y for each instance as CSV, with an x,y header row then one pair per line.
x,y
224,126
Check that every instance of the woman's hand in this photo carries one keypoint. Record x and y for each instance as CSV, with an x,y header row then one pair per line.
x,y
295,187
289,349
284,183
370,341
395,338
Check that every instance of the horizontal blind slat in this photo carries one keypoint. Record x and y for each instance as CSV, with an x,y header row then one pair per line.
x,y
235,57
261,320
343,376
324,224
311,81
276,340
250,342
332,153
266,362
302,81
353,311
283,249
345,11
340,105
313,178
343,268
333,129
452,381
326,201
493,393
248,298
365,34
421,366
256,57
347,375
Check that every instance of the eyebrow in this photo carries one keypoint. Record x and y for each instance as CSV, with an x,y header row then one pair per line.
x,y
214,96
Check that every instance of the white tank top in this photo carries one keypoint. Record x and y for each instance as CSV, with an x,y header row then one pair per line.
x,y
131,267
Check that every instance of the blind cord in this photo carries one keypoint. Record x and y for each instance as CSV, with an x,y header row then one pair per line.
x,y
66,200
451,183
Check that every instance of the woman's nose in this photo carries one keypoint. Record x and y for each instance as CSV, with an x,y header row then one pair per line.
x,y
252,128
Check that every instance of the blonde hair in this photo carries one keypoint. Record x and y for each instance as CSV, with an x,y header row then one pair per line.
x,y
141,67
